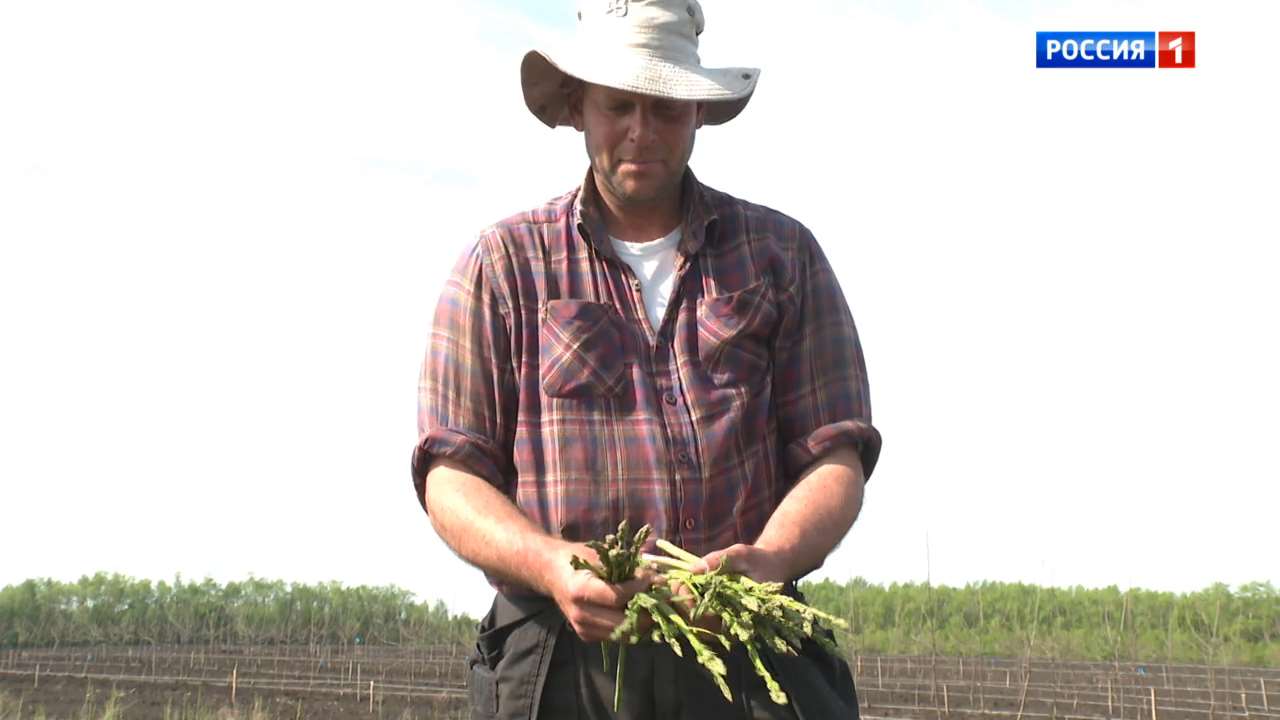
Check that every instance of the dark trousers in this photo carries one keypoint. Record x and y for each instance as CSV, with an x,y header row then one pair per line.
x,y
529,664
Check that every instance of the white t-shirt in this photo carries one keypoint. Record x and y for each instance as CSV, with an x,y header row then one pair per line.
x,y
654,264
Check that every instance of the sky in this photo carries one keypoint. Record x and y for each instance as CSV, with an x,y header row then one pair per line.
x,y
224,227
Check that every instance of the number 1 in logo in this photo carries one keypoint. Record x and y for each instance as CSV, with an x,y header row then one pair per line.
x,y
1177,50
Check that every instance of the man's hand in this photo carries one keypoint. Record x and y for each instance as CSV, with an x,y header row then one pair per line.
x,y
591,606
756,563
483,526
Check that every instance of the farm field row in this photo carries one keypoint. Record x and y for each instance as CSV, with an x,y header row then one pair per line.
x,y
403,683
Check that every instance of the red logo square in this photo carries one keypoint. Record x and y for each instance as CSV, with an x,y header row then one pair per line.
x,y
1177,49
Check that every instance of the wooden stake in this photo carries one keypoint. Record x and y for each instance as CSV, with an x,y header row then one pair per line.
x,y
1022,702
946,701
1153,704
1110,710
1213,695
1265,704
879,676
370,696
234,669
37,685
933,682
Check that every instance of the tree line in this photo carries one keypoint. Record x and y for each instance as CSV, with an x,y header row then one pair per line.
x,y
1217,625
115,609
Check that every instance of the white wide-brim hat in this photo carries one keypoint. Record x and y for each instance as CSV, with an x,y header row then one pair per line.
x,y
643,46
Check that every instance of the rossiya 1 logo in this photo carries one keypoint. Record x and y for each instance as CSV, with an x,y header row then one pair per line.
x,y
1165,49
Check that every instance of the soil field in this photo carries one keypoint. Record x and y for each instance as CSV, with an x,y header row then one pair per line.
x,y
430,682
265,682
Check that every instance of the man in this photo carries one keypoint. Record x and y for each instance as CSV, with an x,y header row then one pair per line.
x,y
648,348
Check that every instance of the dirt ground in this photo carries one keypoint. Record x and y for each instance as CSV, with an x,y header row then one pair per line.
x,y
60,698
291,683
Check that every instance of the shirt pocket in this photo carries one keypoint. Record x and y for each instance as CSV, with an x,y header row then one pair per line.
x,y
735,334
580,350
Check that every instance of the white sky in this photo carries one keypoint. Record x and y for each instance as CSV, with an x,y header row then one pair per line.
x,y
223,228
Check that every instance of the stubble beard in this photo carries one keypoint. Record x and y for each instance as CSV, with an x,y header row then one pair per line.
x,y
616,186
637,195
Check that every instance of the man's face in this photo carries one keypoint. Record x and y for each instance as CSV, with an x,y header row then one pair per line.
x,y
639,145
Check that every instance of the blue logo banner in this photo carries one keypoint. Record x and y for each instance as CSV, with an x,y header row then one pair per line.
x,y
1096,49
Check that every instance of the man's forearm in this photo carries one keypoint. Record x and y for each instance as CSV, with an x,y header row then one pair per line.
x,y
484,527
487,530
815,515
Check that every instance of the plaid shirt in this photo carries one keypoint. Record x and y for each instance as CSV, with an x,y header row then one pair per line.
x,y
545,377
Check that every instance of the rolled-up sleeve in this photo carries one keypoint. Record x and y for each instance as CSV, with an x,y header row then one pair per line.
x,y
820,384
466,393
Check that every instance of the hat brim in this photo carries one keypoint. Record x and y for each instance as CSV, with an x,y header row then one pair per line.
x,y
545,81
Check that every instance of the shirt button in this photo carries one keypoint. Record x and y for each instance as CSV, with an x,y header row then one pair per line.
x,y
669,398
688,523
682,457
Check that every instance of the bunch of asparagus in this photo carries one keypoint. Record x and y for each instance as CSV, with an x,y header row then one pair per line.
x,y
619,559
759,615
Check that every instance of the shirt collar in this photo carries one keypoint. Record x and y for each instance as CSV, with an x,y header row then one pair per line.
x,y
697,209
